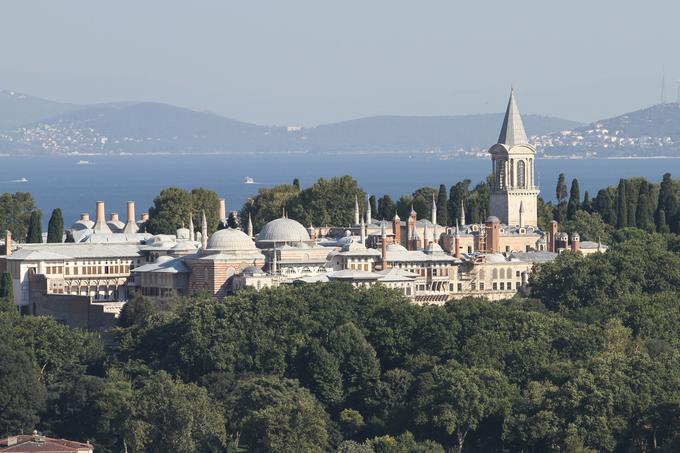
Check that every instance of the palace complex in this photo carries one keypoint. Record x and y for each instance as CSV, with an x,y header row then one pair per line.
x,y
85,283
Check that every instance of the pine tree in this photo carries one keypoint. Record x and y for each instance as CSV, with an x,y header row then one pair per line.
x,y
621,205
34,235
643,214
442,206
55,227
574,199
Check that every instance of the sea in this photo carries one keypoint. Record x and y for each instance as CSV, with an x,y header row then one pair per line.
x,y
76,183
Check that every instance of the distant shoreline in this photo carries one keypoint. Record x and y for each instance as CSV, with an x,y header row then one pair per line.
x,y
333,153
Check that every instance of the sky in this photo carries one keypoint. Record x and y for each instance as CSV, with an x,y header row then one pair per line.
x,y
308,62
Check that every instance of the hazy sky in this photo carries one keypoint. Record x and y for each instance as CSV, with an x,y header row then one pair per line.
x,y
314,61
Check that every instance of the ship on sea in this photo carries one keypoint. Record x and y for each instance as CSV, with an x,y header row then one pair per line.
x,y
248,180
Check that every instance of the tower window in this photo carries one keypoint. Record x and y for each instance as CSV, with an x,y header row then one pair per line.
x,y
521,175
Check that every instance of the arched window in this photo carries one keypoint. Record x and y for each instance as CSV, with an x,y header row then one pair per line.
x,y
521,175
494,274
502,273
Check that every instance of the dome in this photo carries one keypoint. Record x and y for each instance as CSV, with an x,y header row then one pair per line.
x,y
183,233
283,230
230,239
396,248
495,258
252,271
184,245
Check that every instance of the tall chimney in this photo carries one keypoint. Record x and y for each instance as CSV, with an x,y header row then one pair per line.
x,y
101,226
131,225
383,247
222,214
396,229
575,242
552,236
8,243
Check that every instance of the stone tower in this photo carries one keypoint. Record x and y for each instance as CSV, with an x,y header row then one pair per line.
x,y
513,189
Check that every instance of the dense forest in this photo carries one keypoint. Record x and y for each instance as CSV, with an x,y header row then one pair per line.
x,y
590,363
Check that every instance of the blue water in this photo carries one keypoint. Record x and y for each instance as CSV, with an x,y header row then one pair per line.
x,y
58,181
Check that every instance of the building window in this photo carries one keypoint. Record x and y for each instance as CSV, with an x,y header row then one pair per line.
x,y
521,175
481,286
460,287
518,285
502,286
495,286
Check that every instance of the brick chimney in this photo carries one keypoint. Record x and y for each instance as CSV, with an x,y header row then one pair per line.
x,y
575,242
396,229
552,236
8,243
222,213
100,225
131,225
493,235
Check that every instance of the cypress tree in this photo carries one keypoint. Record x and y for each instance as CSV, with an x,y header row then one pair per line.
x,y
668,204
69,237
386,208
55,227
34,235
296,183
574,199
604,205
374,208
442,206
632,197
643,214
560,212
6,290
661,224
621,205
586,202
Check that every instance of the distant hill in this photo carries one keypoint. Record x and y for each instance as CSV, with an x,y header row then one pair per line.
x,y
33,125
17,109
649,132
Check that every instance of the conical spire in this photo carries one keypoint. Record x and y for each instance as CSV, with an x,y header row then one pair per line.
x,y
434,210
204,231
192,233
369,215
250,226
512,131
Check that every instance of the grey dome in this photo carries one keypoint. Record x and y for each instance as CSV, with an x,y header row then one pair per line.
x,y
396,248
283,230
230,239
252,271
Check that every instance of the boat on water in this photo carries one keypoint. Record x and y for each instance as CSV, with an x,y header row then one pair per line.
x,y
83,162
21,180
248,180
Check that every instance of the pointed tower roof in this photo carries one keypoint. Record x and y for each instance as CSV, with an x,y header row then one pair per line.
x,y
512,131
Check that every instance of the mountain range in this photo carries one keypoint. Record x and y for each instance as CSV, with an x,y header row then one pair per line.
x,y
30,125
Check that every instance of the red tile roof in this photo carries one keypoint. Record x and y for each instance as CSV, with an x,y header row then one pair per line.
x,y
42,444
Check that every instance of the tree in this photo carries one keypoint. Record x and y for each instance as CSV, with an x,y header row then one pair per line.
x,y
632,198
587,202
442,206
268,204
34,235
170,211
561,195
296,183
667,203
462,398
15,212
321,374
643,216
205,200
459,196
386,208
604,205
6,289
135,312
574,199
23,394
372,203
590,227
55,227
621,205
169,415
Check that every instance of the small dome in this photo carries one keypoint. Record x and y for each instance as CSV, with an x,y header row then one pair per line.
x,y
230,239
183,233
495,258
396,248
353,246
252,270
184,245
283,230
